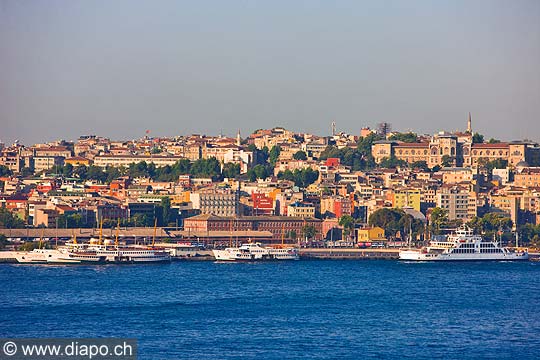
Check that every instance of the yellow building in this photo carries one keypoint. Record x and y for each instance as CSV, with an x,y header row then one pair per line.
x,y
370,234
77,161
406,198
301,210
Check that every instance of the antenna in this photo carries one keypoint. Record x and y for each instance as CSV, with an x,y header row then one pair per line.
x,y
155,229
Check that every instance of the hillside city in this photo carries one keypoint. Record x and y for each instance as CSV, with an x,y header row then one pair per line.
x,y
375,188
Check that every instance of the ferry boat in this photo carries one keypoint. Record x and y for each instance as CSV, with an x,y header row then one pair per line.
x,y
256,252
114,253
462,246
66,255
36,256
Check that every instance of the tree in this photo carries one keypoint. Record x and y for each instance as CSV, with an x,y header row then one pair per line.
x,y
230,170
308,231
70,221
3,242
300,155
31,245
8,220
447,160
166,214
347,222
26,172
420,165
493,141
408,137
477,138
96,173
392,162
388,219
5,171
438,220
81,172
302,178
67,170
273,155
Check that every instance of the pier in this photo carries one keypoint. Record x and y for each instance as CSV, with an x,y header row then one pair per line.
x,y
348,254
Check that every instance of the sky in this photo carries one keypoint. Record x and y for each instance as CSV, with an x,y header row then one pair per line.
x,y
119,68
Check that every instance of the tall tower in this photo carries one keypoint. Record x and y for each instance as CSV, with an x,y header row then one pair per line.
x,y
469,124
238,138
333,128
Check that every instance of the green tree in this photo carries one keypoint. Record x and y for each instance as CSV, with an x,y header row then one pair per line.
x,y
70,221
3,242
408,137
308,231
96,173
9,220
67,170
438,220
392,162
388,219
231,170
477,138
302,178
300,155
273,155
166,214
420,165
5,171
447,160
26,172
81,172
260,171
348,223
31,245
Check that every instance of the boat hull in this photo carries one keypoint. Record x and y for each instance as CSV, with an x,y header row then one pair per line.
x,y
416,255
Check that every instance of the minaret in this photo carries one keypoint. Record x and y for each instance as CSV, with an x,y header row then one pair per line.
x,y
333,128
469,125
238,138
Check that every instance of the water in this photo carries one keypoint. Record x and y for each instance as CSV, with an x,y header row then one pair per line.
x,y
288,310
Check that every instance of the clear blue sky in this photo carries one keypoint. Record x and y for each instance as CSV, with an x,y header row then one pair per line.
x,y
118,68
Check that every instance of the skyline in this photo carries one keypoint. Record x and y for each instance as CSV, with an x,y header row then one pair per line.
x,y
72,68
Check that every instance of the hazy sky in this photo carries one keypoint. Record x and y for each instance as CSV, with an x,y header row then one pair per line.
x,y
118,68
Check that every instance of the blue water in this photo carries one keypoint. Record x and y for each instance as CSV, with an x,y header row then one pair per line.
x,y
289,310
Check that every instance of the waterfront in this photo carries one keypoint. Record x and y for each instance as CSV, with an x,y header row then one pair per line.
x,y
305,309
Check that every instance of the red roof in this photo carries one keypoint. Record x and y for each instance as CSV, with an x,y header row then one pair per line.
x,y
491,146
413,145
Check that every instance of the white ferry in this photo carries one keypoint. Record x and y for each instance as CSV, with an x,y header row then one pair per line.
x,y
65,255
461,246
255,252
36,256
111,253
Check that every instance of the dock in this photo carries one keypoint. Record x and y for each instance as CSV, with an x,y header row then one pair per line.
x,y
348,254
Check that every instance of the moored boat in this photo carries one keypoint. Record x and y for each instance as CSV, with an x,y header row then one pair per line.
x,y
463,246
255,252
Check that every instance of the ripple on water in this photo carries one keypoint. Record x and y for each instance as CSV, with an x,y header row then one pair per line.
x,y
314,309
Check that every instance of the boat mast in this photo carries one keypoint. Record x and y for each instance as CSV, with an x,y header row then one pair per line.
x,y
231,233
155,229
117,229
100,231
41,238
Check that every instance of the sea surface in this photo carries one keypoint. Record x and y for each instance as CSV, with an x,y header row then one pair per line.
x,y
286,310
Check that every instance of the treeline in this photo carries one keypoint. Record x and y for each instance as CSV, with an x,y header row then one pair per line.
x,y
359,158
301,177
9,220
199,168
